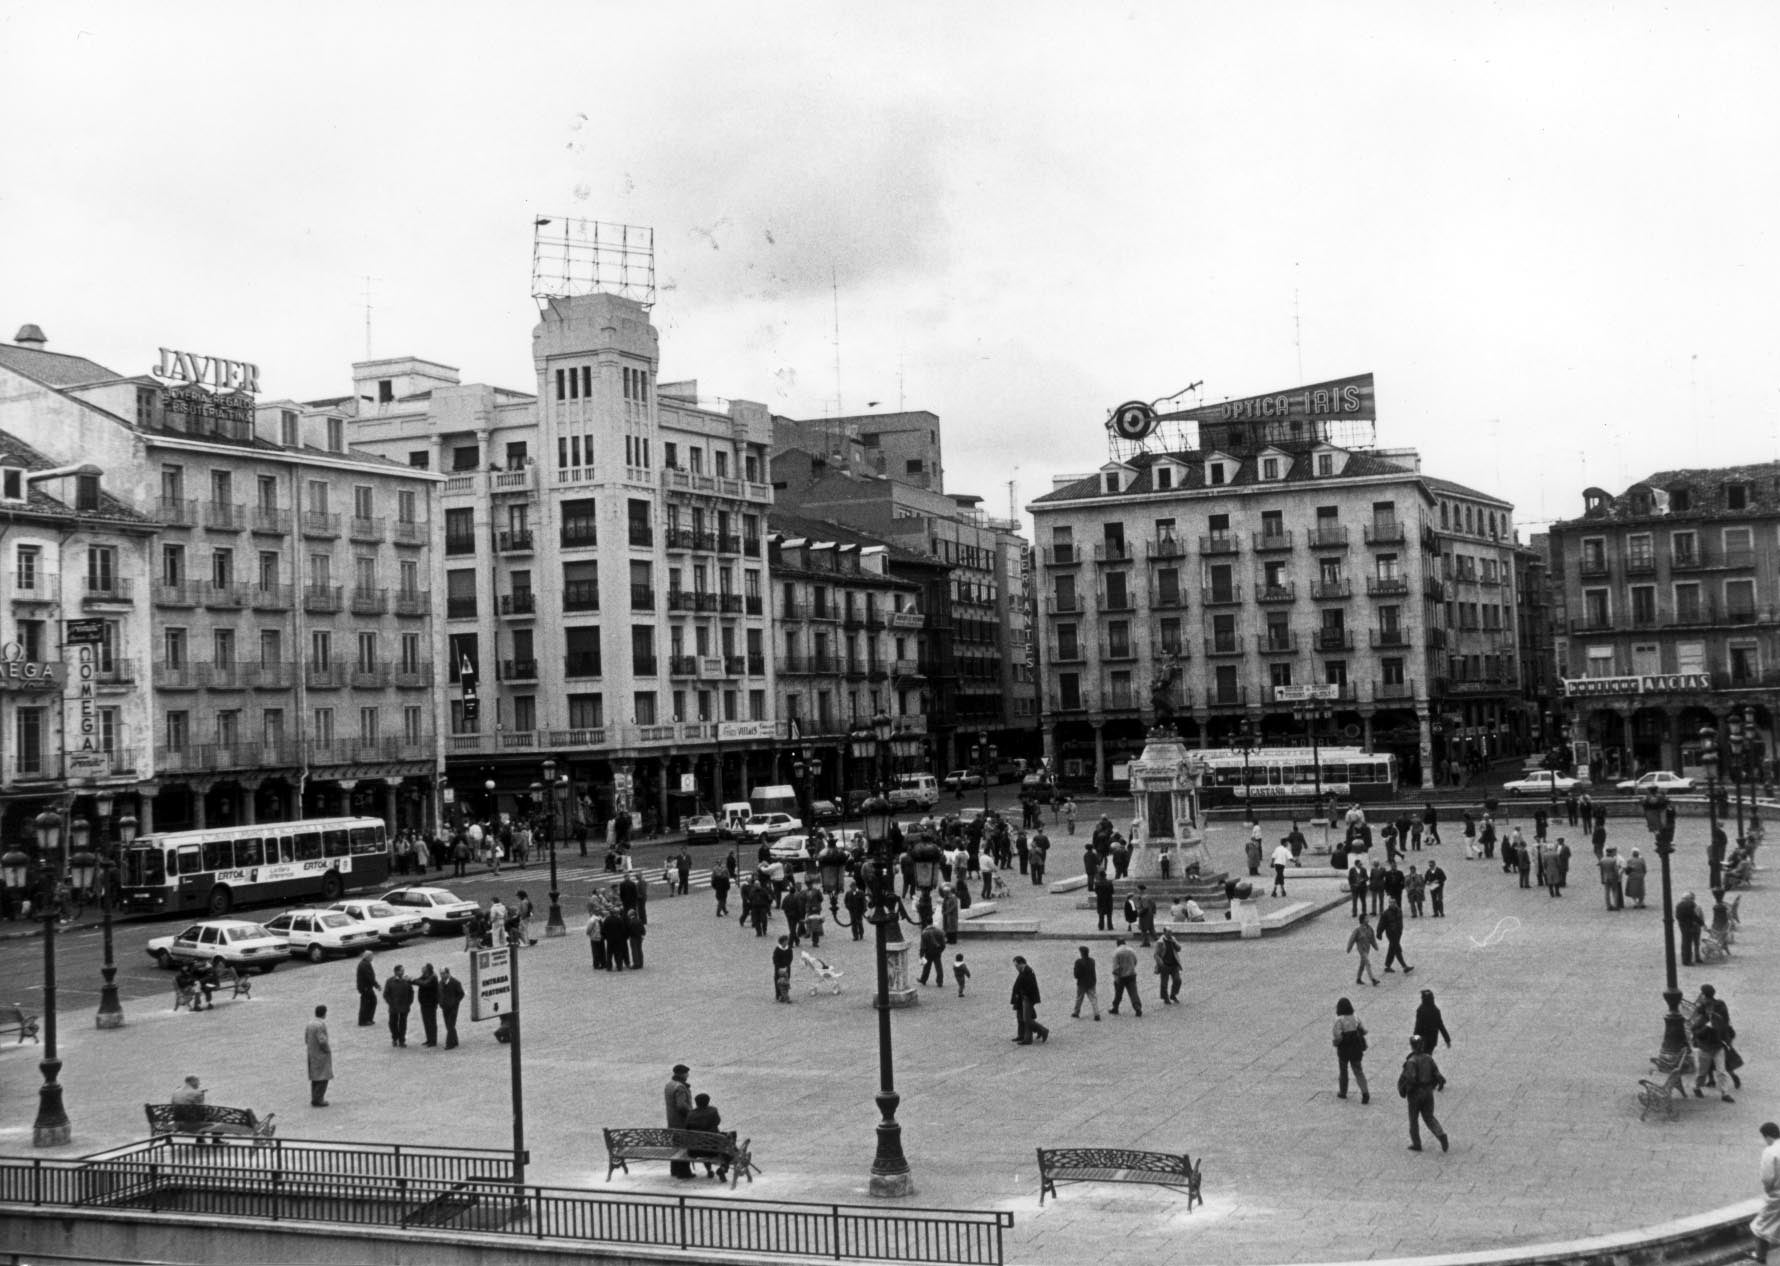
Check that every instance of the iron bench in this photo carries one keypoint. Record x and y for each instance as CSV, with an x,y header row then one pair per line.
x,y
13,1019
208,1119
1117,1164
228,980
1672,1086
665,1144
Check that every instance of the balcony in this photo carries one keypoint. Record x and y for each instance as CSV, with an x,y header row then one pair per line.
x,y
729,603
227,597
1277,643
519,670
1117,602
678,538
1385,532
579,534
458,544
1595,622
1392,690
706,541
752,604
1288,592
1219,596
408,532
463,483
176,512
1266,542
682,665
324,676
589,736
1433,590
321,525
114,672
708,602
521,602
1064,604
581,664
751,546
1331,590
1223,695
269,521
322,599
582,595
1389,639
365,529
1112,552
369,676
515,541
413,601
644,665
642,535
228,675
1217,543
1110,650
1326,537
183,676
179,593
522,480
264,676
1060,555
36,586
1589,568
414,675
1225,645
1387,586
1328,641
1167,599
370,601
642,598
1166,547
225,516
460,608
736,665
729,544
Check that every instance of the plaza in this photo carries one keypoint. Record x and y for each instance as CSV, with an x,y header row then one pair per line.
x,y
1554,1007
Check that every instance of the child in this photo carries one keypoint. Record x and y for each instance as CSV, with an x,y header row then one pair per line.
x,y
782,984
960,972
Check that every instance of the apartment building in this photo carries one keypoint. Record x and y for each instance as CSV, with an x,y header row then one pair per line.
x,y
1671,614
1534,629
286,637
605,567
904,446
1486,713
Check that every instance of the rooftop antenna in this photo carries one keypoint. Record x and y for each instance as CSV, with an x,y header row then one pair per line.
x,y
1297,329
1013,503
835,288
368,280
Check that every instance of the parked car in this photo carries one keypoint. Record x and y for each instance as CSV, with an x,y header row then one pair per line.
x,y
963,780
1657,779
826,812
702,829
240,944
793,850
914,791
770,826
1543,783
856,799
439,909
392,926
314,934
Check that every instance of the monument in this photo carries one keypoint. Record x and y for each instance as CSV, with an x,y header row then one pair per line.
x,y
1166,841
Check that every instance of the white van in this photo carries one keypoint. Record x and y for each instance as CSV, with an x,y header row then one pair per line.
x,y
915,791
776,798
733,818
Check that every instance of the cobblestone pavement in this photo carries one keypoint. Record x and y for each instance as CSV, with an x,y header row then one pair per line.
x,y
1554,1007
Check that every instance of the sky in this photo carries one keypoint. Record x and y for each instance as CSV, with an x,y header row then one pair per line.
x,y
1546,228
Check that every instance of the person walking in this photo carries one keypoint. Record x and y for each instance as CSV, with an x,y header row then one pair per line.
x,y
320,1057
1282,857
1356,888
677,1095
1168,968
1430,1025
1417,1083
398,998
854,900
1124,975
1375,886
1712,1036
426,992
948,910
451,997
1611,890
1146,915
1025,999
933,947
1087,977
367,991
1039,849
1470,831
1390,927
720,882
1103,903
1252,850
1635,870
1069,814
1436,881
1363,939
1350,1050
1415,887
1766,1225
1692,923
783,955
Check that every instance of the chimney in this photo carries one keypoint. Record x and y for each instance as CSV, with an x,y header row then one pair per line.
x,y
30,336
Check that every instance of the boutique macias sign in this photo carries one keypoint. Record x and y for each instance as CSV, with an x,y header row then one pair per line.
x,y
1647,684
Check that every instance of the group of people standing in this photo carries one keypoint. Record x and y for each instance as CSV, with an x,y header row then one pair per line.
x,y
438,995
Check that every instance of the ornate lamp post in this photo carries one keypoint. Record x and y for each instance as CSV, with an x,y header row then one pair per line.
x,y
51,1129
488,786
1660,819
986,760
557,808
111,1011
1709,759
1739,762
1245,742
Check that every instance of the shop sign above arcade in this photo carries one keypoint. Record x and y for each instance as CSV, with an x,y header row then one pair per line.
x,y
1647,684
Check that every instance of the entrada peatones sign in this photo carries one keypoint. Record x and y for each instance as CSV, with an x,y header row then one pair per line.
x,y
207,371
1648,684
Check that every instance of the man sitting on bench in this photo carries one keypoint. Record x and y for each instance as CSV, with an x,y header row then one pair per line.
x,y
704,1116
188,1103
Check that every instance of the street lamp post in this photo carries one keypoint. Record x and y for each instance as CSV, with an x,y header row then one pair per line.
x,y
557,809
51,1129
1244,741
1739,755
1659,818
111,1011
1313,712
986,761
1709,759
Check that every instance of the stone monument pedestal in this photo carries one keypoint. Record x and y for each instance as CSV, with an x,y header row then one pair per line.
x,y
1165,810
901,993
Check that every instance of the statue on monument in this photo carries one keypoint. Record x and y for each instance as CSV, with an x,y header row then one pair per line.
x,y
1162,694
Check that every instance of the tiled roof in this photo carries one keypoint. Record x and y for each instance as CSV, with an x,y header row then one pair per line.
x,y
1360,464
57,369
15,452
1460,490
796,525
1707,495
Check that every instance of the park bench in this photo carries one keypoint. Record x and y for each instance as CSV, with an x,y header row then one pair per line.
x,y
1117,1164
208,1119
1672,1085
228,980
665,1144
14,1020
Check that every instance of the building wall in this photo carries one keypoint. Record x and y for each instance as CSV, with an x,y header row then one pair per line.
x,y
1486,713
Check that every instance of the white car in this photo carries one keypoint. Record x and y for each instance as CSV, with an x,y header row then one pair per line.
x,y
315,934
392,926
771,826
439,909
1542,783
791,848
963,780
1657,780
240,944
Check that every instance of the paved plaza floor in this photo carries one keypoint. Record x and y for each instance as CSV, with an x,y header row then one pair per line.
x,y
1554,1008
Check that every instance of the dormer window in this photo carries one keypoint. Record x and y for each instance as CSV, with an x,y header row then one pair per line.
x,y
86,492
1164,478
1736,496
1594,502
287,427
1112,481
12,484
336,435
1270,468
1679,500
1325,464
1214,473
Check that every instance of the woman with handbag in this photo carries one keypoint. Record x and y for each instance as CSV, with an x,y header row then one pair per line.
x,y
1350,1049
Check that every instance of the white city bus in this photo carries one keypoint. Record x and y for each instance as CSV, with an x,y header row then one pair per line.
x,y
1292,773
217,870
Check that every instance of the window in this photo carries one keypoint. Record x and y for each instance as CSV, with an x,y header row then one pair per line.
x,y
1325,464
318,496
172,484
1736,496
420,459
460,531
1687,604
178,727
30,568
1069,691
1684,549
222,647
1739,599
172,565
516,454
582,647
1739,546
465,457
173,644
1391,669
1273,526
1168,632
1600,662
460,594
321,726
645,705
1112,481
386,391
1214,473
1644,605
321,648
1597,611
406,506
1280,673
367,652
1270,470
222,568
1164,477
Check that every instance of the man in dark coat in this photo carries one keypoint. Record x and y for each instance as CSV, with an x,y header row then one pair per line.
x,y
627,892
615,932
933,946
1390,929
678,1095
1430,1025
367,991
854,900
1025,1001
635,929
398,996
1691,922
683,870
1394,881
1103,903
720,886
426,992
792,905
451,997
1419,1080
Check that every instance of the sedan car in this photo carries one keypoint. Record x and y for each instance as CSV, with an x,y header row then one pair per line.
x,y
826,812
794,850
770,826
240,944
315,934
1657,780
1542,783
963,780
392,926
702,829
439,909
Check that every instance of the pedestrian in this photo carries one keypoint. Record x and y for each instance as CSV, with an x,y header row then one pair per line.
x,y
720,882
1540,821
1025,999
635,929
1364,940
1430,823
1415,887
1570,804
1395,882
398,998
813,921
678,1096
367,991
523,913
1417,1083
615,932
1430,1025
1356,888
1375,886
932,947
948,910
706,1119
1124,975
451,997
1436,881
1486,836
1282,857
1390,927
321,1057
1599,839
1766,1226
1712,1035
782,956
497,923
1252,850
683,869
1563,861
1103,904
1146,915
1552,869
1692,923
1523,859
1040,850
1350,1049
1611,889
426,992
854,900
1069,813
1087,976
1470,831
1168,968
1635,870
960,972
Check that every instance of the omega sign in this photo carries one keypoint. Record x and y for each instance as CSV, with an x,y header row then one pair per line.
x,y
207,371
19,673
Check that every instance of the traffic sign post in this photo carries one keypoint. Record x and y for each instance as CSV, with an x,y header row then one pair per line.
x,y
494,994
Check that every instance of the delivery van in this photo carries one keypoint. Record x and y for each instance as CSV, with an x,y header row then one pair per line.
x,y
914,791
774,798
